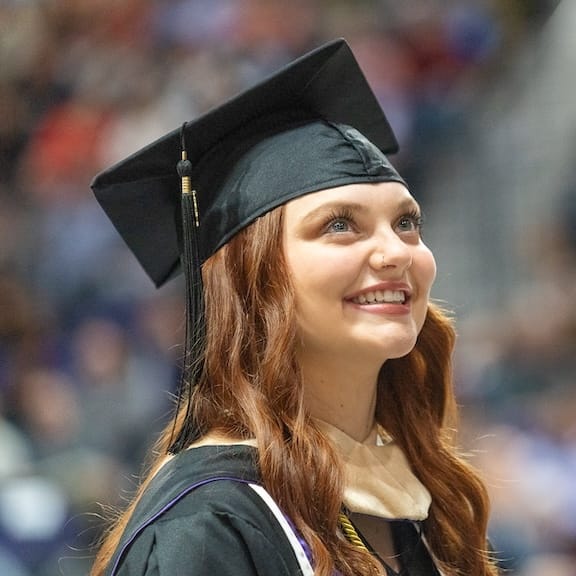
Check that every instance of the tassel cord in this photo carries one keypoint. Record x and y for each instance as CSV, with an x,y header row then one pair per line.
x,y
194,337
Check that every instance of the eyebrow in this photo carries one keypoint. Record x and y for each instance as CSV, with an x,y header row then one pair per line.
x,y
409,204
405,204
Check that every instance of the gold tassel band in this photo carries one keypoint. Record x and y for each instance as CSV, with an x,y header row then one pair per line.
x,y
185,170
186,180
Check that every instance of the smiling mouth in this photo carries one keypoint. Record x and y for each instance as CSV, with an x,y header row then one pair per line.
x,y
381,297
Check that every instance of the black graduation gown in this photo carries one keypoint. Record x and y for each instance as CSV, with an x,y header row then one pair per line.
x,y
220,527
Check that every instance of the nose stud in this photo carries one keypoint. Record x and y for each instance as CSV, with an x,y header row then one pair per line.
x,y
384,265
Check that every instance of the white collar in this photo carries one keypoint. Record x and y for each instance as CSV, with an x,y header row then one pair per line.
x,y
378,477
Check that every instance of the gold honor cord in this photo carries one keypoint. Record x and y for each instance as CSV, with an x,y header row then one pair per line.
x,y
350,532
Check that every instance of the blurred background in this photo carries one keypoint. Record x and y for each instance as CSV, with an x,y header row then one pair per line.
x,y
481,96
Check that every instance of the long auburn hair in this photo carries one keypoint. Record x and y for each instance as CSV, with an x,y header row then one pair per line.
x,y
251,387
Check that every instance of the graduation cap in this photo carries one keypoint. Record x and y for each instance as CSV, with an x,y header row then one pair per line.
x,y
315,124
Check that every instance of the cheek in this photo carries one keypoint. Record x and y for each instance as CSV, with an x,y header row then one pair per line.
x,y
426,269
426,274
321,272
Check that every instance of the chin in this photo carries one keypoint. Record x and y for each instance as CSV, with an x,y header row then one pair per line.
x,y
398,348
377,353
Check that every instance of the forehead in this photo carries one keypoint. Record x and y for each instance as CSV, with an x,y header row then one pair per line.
x,y
361,197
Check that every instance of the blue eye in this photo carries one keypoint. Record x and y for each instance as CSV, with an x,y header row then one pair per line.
x,y
339,222
410,223
339,226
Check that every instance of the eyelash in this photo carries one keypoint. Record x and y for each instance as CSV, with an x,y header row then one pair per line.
x,y
346,215
343,215
415,217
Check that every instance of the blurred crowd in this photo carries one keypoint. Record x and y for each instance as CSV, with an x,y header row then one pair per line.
x,y
89,350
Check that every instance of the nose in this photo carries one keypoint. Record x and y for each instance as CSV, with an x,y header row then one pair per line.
x,y
390,251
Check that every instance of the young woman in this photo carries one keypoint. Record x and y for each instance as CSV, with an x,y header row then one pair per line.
x,y
313,432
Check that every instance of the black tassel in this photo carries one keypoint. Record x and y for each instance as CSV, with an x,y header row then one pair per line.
x,y
195,328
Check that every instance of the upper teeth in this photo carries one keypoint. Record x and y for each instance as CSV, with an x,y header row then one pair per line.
x,y
381,296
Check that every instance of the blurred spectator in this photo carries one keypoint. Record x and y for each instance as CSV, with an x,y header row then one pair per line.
x,y
21,327
33,524
123,394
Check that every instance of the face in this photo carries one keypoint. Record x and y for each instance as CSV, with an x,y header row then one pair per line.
x,y
361,273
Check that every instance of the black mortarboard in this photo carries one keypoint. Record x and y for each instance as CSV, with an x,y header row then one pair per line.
x,y
141,194
315,124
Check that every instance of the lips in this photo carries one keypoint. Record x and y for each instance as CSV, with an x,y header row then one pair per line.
x,y
389,293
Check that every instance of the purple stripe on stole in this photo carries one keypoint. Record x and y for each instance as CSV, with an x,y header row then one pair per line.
x,y
305,545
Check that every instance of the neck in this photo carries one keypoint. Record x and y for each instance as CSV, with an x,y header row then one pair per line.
x,y
341,394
